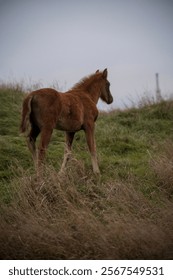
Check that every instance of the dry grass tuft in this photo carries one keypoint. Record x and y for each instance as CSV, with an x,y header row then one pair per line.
x,y
73,216
163,168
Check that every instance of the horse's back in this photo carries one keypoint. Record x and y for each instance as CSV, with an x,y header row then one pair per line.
x,y
45,95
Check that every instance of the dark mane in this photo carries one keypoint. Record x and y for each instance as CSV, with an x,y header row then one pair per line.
x,y
86,82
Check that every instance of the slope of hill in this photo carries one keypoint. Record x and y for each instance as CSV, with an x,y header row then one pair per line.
x,y
127,213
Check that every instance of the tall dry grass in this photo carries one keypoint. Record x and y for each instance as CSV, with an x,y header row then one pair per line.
x,y
75,216
163,168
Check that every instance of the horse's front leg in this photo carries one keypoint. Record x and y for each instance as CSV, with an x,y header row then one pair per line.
x,y
67,151
89,132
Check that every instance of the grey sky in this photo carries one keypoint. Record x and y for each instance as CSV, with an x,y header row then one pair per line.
x,y
61,40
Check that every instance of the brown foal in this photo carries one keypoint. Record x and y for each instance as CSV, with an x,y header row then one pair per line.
x,y
47,109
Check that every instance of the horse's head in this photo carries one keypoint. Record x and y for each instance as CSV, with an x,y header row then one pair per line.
x,y
105,94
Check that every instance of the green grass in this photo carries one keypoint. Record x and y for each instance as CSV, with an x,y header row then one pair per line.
x,y
135,190
125,139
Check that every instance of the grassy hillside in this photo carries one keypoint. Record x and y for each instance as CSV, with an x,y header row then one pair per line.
x,y
126,214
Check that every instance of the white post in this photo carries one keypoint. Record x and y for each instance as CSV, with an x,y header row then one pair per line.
x,y
158,92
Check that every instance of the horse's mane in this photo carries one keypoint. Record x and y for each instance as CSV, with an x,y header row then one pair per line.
x,y
86,82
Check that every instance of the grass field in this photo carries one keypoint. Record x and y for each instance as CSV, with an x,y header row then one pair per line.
x,y
126,214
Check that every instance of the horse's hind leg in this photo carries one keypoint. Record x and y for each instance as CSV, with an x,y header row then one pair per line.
x,y
67,152
44,142
31,139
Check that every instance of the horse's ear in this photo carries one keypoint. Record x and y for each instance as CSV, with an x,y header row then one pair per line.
x,y
97,71
105,73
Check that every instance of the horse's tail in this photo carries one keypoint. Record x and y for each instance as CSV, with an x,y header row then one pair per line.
x,y
26,110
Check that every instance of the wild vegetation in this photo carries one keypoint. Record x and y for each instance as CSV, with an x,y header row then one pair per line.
x,y
126,214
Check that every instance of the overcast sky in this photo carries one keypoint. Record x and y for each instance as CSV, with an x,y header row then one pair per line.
x,y
50,41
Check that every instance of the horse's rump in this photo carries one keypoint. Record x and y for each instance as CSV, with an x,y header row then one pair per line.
x,y
40,108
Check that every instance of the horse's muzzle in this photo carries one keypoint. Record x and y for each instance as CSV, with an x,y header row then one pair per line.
x,y
110,99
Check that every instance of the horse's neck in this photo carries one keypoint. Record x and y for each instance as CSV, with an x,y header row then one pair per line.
x,y
94,92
